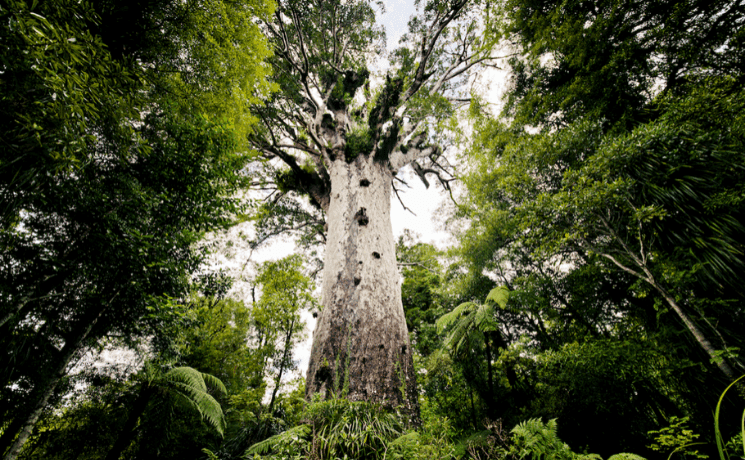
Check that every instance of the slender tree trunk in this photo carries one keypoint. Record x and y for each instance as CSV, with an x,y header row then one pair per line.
x,y
489,370
697,334
128,431
474,419
361,344
278,380
40,395
692,327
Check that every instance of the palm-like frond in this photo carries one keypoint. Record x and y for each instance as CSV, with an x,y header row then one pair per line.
x,y
498,296
187,376
214,384
449,318
470,316
191,386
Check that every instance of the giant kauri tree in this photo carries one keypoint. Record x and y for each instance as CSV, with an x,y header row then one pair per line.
x,y
337,138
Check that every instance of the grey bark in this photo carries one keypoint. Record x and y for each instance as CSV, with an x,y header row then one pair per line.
x,y
692,327
361,347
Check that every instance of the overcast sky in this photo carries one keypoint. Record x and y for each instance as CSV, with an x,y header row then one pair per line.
x,y
397,14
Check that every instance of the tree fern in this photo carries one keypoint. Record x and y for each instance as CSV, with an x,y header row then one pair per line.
x,y
470,316
191,386
498,296
188,385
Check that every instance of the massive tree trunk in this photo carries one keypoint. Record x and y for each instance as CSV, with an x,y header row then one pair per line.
x,y
361,347
340,140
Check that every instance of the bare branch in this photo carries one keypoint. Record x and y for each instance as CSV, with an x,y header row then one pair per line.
x,y
395,190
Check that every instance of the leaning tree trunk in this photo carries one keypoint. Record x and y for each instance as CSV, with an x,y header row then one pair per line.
x,y
361,347
40,395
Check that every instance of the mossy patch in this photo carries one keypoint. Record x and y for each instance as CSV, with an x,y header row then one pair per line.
x,y
345,87
358,142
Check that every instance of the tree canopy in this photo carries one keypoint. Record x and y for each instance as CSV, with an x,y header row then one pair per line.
x,y
121,130
591,303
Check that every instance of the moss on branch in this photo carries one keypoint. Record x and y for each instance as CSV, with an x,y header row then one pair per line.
x,y
345,86
303,180
388,99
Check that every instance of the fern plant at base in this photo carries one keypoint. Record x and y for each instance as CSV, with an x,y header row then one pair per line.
x,y
336,428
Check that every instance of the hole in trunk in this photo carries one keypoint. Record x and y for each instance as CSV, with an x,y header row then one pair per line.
x,y
364,183
361,217
381,346
403,349
357,281
323,375
376,255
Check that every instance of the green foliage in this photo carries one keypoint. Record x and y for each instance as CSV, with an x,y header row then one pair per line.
x,y
540,441
352,429
471,316
335,428
676,439
192,386
359,142
448,395
338,428
119,151
431,441
216,343
600,218
87,427
285,292
175,401
597,59
288,444
421,292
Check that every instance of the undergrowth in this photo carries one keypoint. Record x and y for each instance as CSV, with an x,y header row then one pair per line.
x,y
338,429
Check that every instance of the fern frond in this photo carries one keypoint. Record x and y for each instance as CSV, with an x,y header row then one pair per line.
x,y
208,408
299,432
186,375
541,441
449,318
459,333
484,318
189,384
498,296
214,383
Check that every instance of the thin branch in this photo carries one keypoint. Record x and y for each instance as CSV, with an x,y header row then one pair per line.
x,y
395,190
